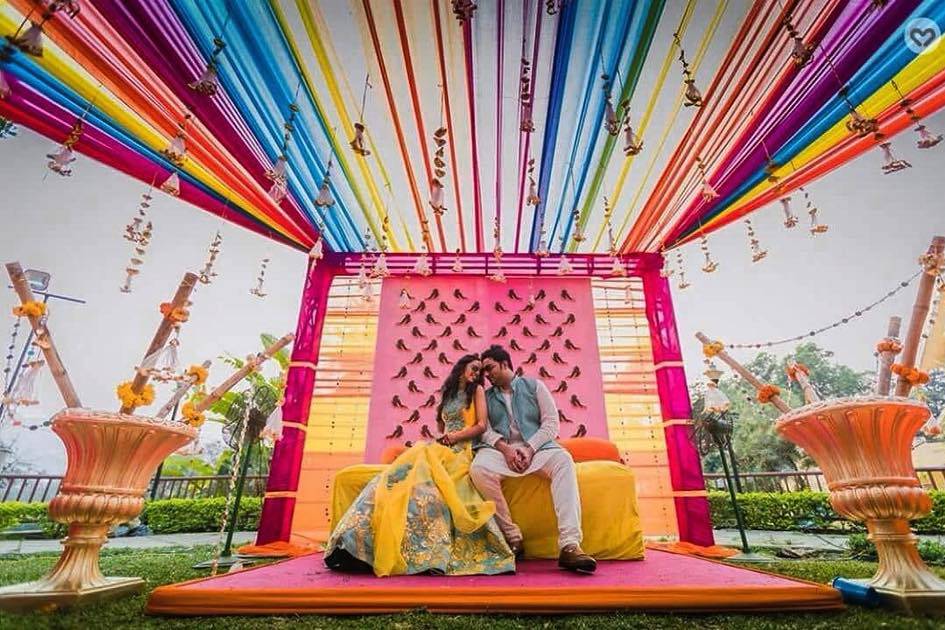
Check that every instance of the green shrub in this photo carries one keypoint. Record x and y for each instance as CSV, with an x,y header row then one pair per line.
x,y
862,549
174,516
805,511
14,513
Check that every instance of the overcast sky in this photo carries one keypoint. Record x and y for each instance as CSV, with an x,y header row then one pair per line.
x,y
73,229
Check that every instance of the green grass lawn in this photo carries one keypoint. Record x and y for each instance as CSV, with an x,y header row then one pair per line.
x,y
165,566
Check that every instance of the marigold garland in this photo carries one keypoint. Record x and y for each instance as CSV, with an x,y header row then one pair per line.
x,y
30,309
129,398
889,345
767,392
191,416
792,370
178,315
713,348
198,373
913,376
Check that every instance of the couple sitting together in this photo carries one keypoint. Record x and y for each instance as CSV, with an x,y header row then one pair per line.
x,y
439,508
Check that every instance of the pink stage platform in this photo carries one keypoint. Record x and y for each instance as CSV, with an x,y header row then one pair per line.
x,y
662,582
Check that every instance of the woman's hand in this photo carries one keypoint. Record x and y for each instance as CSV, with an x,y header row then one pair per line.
x,y
446,439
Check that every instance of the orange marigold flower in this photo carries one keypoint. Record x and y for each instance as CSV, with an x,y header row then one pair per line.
x,y
889,345
712,348
794,368
767,392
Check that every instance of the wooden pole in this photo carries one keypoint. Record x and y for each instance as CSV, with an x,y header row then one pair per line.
x,y
241,373
163,333
932,262
44,338
810,396
884,378
745,374
179,393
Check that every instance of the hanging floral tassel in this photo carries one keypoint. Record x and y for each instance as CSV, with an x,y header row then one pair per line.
x,y
754,244
357,143
628,295
272,432
710,265
666,271
578,237
858,123
176,151
60,159
542,250
324,198
138,232
693,95
23,393
260,280
801,53
618,268
380,269
278,175
892,163
708,192
533,199
564,266
318,249
816,227
171,185
436,197
632,144
207,274
207,83
367,293
163,364
527,125
439,172
457,263
422,266
31,41
926,139
789,219
683,283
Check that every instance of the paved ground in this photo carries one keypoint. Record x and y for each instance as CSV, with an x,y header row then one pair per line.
x,y
727,537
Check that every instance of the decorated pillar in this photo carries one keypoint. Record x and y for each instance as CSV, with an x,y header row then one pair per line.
x,y
275,522
685,468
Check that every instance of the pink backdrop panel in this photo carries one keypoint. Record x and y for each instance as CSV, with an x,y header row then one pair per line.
x,y
543,323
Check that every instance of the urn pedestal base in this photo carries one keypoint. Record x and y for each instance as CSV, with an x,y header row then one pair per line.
x,y
33,596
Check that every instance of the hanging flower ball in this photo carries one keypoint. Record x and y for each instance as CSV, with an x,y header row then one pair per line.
x,y
192,417
129,398
713,348
198,373
768,392
178,315
912,375
889,345
794,368
30,309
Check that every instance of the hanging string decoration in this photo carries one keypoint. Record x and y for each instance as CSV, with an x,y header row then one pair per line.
x,y
692,94
208,83
31,41
457,263
11,348
278,174
790,219
422,266
61,158
357,143
258,290
707,191
564,265
554,7
527,125
463,10
318,247
892,164
926,139
816,227
754,244
23,393
207,274
439,172
613,117
683,283
542,250
858,123
666,271
632,143
324,198
710,265
171,185
176,151
533,199
801,53
138,233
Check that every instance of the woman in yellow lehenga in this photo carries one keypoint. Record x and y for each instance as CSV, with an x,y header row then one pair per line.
x,y
423,514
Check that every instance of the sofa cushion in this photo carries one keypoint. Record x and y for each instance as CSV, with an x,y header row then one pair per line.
x,y
589,449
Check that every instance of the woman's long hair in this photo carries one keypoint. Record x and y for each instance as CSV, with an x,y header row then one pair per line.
x,y
450,386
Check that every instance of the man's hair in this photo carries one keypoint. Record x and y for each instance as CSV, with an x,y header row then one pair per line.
x,y
498,354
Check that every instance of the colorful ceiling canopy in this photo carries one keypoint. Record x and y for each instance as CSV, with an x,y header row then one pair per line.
x,y
448,125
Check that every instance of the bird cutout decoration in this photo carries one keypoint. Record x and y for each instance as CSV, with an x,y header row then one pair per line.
x,y
430,347
258,290
414,417
431,320
471,332
707,192
513,295
207,274
576,372
403,301
542,372
425,432
413,388
519,371
442,358
526,332
692,94
562,387
422,266
435,293
138,232
532,358
416,332
420,307
398,432
397,402
474,308
563,418
575,401
541,295
568,344
710,265
541,320
448,331
429,372
459,320
528,308
566,296
499,308
754,245
554,308
430,401
545,345
559,331
570,319
515,320
445,308
892,163
789,219
458,345
514,345
581,431
402,373
557,359
459,295
417,358
503,332
406,319
171,185
357,143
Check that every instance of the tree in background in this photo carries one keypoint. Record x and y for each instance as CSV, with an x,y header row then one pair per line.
x,y
757,446
933,392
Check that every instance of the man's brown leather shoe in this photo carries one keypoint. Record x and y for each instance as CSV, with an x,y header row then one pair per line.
x,y
573,558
